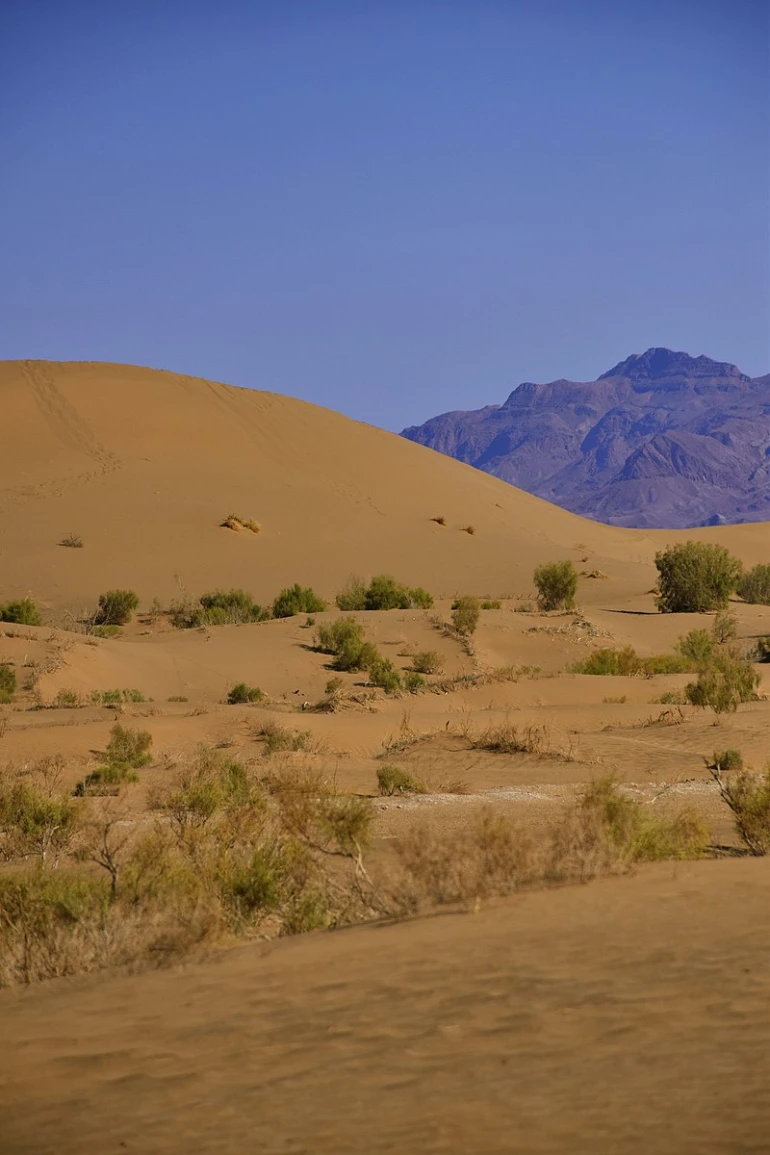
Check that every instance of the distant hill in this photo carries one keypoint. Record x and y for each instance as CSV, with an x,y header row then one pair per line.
x,y
662,439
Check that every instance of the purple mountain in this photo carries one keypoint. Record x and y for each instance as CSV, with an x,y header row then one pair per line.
x,y
660,440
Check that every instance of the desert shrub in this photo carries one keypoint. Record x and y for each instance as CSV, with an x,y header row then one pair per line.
x,y
723,684
420,598
353,596
556,585
427,662
7,684
128,747
72,541
333,637
106,780
725,627
67,700
761,651
507,738
178,698
748,797
297,600
698,646
385,593
106,631
23,612
609,662
695,577
116,608
754,585
490,604
34,824
384,674
393,780
465,615
241,694
230,607
115,697
413,682
277,738
626,663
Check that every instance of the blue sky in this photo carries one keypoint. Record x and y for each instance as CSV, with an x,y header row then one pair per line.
x,y
392,209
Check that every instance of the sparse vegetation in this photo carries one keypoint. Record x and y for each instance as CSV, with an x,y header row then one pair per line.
x,y
115,697
230,607
7,684
556,585
427,662
127,751
723,683
393,780
241,694
278,739
116,608
626,663
414,682
297,600
695,577
465,615
384,674
748,797
725,627
23,612
382,593
72,541
697,646
491,604
754,585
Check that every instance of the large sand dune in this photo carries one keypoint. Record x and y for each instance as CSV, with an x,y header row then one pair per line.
x,y
144,465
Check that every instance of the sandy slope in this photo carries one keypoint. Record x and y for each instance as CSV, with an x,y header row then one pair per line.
x,y
145,464
624,1018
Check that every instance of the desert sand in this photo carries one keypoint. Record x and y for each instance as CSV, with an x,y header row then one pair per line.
x,y
629,1015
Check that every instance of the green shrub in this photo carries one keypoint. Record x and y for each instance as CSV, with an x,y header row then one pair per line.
x,y
7,684
748,797
384,593
353,596
23,612
754,585
427,662
332,637
556,585
695,577
609,662
278,738
723,684
491,604
67,700
230,607
698,646
34,824
128,747
465,615
116,607
725,627
420,598
115,697
384,674
639,834
413,682
241,694
666,664
393,780
105,781
297,600
106,631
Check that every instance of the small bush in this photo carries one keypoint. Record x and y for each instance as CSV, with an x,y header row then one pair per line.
x,y
695,577
115,697
67,700
725,627
491,604
116,607
297,600
7,684
427,662
420,598
393,780
610,663
754,585
230,607
723,684
23,612
128,747
413,682
72,541
465,615
698,646
507,738
556,585
353,596
105,781
748,797
277,738
384,674
241,694
333,637
34,824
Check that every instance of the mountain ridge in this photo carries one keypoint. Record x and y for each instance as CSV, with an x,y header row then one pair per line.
x,y
660,440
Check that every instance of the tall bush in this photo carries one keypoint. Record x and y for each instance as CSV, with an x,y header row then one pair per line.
x,y
695,577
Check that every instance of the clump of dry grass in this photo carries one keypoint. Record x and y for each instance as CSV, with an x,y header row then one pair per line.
x,y
278,739
393,780
508,738
239,523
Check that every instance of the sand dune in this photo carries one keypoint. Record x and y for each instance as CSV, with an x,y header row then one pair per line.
x,y
145,464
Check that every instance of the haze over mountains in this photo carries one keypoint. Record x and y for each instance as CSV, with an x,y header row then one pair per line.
x,y
662,439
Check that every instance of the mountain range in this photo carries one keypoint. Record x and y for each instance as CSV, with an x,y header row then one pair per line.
x,y
661,440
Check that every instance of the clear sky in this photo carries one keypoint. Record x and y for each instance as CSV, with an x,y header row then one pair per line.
x,y
390,208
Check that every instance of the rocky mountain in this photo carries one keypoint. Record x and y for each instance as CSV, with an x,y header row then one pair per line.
x,y
662,439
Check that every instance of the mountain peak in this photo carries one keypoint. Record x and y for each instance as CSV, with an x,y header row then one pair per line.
x,y
658,363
